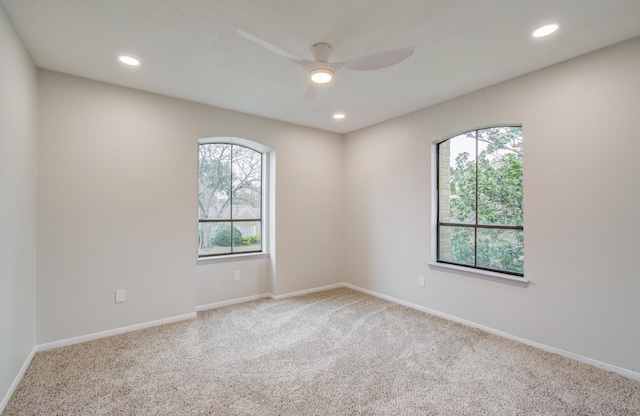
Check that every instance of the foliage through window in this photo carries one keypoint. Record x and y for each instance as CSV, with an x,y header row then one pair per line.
x,y
229,199
480,204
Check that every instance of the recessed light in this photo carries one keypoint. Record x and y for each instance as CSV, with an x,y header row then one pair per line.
x,y
128,60
321,76
545,30
338,116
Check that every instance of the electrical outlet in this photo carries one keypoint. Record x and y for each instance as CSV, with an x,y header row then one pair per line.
x,y
120,297
236,276
421,281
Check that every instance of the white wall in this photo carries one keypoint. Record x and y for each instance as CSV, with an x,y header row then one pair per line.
x,y
18,157
118,208
581,124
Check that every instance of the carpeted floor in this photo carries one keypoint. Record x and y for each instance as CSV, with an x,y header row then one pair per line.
x,y
338,352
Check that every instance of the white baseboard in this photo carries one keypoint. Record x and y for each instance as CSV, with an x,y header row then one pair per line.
x,y
116,331
16,381
266,295
111,332
103,334
224,303
308,291
585,360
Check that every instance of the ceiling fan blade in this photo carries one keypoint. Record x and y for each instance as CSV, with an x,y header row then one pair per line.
x,y
273,48
312,92
380,59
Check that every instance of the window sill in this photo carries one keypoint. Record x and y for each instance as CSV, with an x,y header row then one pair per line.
x,y
231,257
481,274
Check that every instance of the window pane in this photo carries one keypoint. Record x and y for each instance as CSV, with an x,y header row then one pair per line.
x,y
247,179
457,179
214,181
501,249
500,176
456,245
250,236
214,238
230,192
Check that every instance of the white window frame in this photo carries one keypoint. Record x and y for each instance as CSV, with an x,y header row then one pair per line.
x,y
268,199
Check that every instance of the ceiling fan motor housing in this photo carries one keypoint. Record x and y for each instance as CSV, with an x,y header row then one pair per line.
x,y
321,52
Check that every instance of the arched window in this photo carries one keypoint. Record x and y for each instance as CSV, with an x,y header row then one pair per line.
x,y
480,200
230,199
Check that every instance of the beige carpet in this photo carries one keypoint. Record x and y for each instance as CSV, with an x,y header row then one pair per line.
x,y
338,352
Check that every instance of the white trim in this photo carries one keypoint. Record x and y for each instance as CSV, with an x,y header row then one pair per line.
x,y
585,360
268,194
144,325
111,332
224,303
308,291
253,145
17,380
482,274
267,295
231,257
434,200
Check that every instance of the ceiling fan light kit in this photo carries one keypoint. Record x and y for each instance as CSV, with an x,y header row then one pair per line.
x,y
321,76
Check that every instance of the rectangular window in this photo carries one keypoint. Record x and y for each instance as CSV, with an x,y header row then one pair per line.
x,y
480,200
229,199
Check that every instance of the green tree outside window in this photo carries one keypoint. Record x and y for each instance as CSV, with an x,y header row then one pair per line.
x,y
480,200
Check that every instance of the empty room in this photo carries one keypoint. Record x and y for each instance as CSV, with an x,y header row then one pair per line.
x,y
251,207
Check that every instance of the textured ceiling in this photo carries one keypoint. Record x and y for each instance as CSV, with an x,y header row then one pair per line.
x,y
190,48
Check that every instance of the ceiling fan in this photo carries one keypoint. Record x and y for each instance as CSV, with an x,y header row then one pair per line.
x,y
321,71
